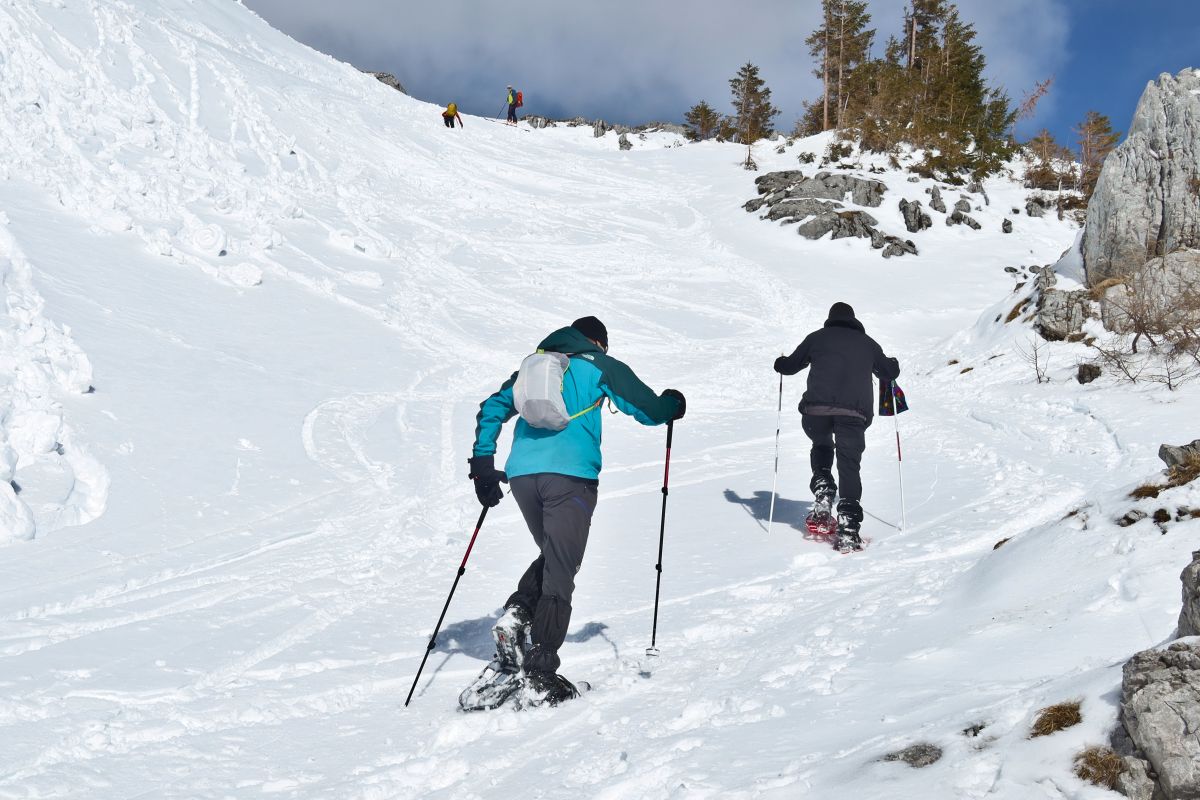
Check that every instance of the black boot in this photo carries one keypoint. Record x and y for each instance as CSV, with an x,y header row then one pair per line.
x,y
543,685
849,522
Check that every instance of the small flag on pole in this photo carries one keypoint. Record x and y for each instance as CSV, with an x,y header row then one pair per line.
x,y
887,391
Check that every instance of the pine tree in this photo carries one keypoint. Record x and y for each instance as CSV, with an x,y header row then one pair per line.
x,y
702,122
838,47
1044,155
1096,140
751,101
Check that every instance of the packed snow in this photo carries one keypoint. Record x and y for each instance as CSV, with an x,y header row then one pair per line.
x,y
254,298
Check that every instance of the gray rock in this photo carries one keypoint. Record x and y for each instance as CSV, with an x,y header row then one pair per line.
x,y
1145,204
1189,617
388,79
917,755
796,210
843,224
824,186
599,128
755,204
1060,314
1087,373
624,143
1034,207
914,179
1006,226
1176,455
1160,708
1150,296
895,246
935,200
959,218
963,205
914,218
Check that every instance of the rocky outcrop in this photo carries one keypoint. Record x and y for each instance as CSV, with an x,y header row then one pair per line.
x,y
1036,207
387,78
915,219
1160,713
1160,295
1178,455
1145,202
623,142
963,205
1059,314
817,204
1189,617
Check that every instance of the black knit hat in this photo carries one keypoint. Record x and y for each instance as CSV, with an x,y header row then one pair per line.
x,y
593,329
841,311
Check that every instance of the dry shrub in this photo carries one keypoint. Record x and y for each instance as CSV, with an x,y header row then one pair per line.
x,y
1017,310
1186,472
1100,766
1055,718
1146,490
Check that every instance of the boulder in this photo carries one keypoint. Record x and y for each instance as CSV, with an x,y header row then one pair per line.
x,y
959,218
963,205
1006,226
599,128
1087,373
1144,204
624,143
895,246
1189,617
1177,455
842,224
914,218
935,200
1060,314
1160,710
1035,207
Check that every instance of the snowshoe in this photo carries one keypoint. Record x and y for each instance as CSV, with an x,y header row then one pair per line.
x,y
491,689
511,635
820,521
547,689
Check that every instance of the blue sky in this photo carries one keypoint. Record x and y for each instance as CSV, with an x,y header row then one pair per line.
x,y
637,60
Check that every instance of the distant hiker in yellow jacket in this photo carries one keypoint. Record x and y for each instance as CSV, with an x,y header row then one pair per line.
x,y
451,114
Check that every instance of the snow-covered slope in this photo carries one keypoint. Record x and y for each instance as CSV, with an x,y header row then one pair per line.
x,y
290,287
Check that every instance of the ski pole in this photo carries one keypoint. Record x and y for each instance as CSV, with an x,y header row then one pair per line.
x,y
437,628
775,482
899,456
662,527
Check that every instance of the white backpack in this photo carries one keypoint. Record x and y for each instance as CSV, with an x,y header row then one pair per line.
x,y
538,392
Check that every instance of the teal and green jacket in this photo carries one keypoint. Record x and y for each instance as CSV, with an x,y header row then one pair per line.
x,y
575,450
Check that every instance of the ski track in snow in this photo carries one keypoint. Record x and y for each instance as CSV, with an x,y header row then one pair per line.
x,y
246,615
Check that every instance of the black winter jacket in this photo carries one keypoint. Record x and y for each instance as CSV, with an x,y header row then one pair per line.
x,y
843,359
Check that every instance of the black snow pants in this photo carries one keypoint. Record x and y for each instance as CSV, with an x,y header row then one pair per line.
x,y
558,510
845,437
512,113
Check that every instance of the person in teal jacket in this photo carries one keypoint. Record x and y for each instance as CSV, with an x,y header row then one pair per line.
x,y
554,476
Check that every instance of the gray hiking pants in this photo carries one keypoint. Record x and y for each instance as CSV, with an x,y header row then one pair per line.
x,y
558,510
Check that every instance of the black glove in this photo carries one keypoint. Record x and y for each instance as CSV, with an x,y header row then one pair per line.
x,y
487,480
678,395
780,363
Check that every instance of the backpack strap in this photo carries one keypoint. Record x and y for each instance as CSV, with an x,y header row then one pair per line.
x,y
593,406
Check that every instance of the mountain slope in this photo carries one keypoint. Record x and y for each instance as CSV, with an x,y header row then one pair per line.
x,y
293,287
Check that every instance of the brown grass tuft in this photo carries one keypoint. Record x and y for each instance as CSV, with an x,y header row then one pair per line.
x,y
1100,766
1017,311
1055,718
1186,472
1146,490
1103,286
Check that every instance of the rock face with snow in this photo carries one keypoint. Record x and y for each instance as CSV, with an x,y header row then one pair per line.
x,y
816,203
1151,295
1189,617
388,79
1147,198
1059,314
1160,711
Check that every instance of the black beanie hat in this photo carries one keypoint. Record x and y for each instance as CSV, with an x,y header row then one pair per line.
x,y
841,311
593,329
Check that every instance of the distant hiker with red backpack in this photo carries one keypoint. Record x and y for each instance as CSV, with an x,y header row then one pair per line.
x,y
836,409
553,469
451,114
515,100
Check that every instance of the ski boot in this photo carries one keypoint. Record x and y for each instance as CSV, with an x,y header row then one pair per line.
x,y
849,521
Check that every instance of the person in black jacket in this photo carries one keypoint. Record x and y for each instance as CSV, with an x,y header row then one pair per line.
x,y
836,409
